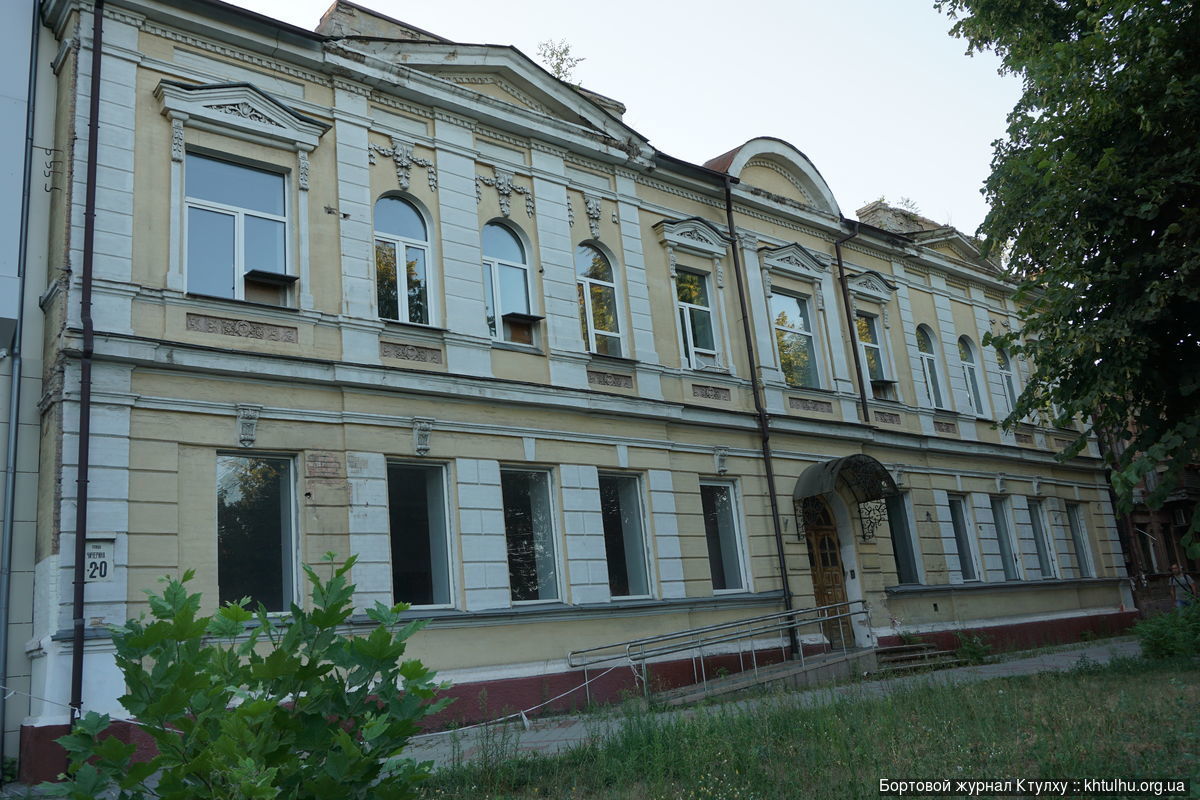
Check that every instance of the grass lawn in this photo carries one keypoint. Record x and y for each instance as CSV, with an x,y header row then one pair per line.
x,y
1129,719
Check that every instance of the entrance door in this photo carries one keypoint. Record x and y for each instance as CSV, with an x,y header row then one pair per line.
x,y
825,561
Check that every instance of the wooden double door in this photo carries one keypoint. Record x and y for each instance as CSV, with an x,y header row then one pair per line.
x,y
825,563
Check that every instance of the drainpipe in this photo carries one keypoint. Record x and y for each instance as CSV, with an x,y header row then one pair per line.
x,y
14,396
764,420
85,364
843,280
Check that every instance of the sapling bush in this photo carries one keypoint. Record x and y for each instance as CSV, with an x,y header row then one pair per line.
x,y
243,705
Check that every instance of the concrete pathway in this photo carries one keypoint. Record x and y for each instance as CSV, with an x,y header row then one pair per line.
x,y
558,733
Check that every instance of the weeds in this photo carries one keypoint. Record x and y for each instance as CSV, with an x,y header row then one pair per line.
x,y
972,648
1132,716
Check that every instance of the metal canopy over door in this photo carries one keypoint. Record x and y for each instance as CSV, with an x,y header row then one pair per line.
x,y
825,561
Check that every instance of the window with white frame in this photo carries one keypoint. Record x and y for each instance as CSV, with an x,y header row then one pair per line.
x,y
598,310
1047,558
960,521
419,537
1008,381
506,285
529,535
255,531
794,338
1083,551
401,262
874,359
724,541
236,235
1009,554
927,353
966,355
624,537
695,319
904,548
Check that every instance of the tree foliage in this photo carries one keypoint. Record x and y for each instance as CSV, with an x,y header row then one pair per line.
x,y
1094,196
250,706
558,59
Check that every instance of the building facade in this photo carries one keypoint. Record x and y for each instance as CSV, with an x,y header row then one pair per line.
x,y
369,291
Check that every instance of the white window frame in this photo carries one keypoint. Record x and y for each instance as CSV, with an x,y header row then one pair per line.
x,y
587,283
401,243
970,370
1041,531
239,226
493,265
1008,378
693,355
929,367
875,321
552,516
1002,521
781,330
740,545
290,568
451,570
968,537
648,561
1080,540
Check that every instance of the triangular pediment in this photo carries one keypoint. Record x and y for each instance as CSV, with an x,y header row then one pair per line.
x,y
793,258
501,78
238,106
871,285
693,234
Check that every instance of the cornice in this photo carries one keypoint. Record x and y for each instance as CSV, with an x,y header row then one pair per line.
x,y
236,54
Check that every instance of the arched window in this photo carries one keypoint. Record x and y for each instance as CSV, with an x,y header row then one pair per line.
x,y
1007,379
506,285
966,354
597,301
929,366
401,239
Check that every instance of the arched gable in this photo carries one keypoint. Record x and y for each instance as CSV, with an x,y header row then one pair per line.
x,y
775,166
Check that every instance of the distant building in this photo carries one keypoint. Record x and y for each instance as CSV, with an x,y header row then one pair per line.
x,y
371,291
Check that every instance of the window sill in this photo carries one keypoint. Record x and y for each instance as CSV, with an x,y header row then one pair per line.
x,y
512,347
616,361
412,326
235,302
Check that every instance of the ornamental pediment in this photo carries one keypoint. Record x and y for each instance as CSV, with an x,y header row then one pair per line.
x,y
694,235
872,286
240,107
794,259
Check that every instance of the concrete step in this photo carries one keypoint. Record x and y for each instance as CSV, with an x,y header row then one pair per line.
x,y
917,647
916,655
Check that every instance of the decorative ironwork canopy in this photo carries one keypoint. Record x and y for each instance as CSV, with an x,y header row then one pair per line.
x,y
867,481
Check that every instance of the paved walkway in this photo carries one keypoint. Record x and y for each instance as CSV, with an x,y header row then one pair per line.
x,y
554,734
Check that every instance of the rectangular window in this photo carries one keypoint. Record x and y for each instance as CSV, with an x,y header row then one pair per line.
x,y
417,516
962,540
1083,551
1047,562
793,335
236,231
720,528
254,531
529,532
624,541
1008,553
903,547
403,295
695,319
873,363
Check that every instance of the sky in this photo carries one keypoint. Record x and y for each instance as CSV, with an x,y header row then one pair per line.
x,y
876,93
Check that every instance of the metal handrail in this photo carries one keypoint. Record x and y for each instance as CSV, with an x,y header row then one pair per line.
x,y
629,644
642,650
